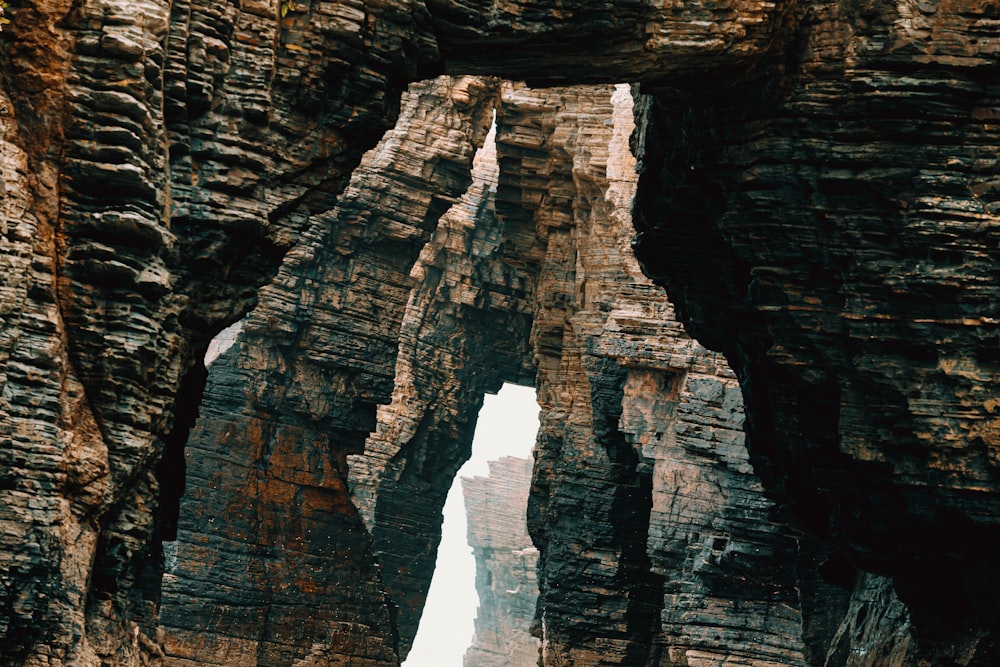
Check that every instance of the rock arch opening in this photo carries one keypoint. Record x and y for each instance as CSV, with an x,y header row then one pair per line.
x,y
818,195
485,532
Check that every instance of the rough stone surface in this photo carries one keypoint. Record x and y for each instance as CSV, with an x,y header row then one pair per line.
x,y
465,332
273,564
849,193
506,561
641,438
158,160
818,195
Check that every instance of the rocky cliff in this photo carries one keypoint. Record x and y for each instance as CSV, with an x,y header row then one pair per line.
x,y
273,563
506,563
644,506
817,193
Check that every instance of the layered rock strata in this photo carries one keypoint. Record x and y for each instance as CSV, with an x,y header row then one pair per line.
x,y
464,333
159,158
273,564
506,560
830,226
652,527
818,196
464,330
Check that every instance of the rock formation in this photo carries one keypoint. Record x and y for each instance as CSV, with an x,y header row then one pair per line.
x,y
817,194
856,224
640,437
506,561
273,562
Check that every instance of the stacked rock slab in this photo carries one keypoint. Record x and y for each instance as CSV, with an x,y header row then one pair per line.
x,y
158,159
464,332
850,192
818,195
506,561
656,548
273,564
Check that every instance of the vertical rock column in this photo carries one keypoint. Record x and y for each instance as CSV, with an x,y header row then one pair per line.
x,y
506,563
90,352
653,528
465,332
588,514
273,564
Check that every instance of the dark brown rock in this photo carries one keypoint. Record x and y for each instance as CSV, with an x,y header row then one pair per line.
x,y
273,563
120,279
464,333
818,196
856,302
653,529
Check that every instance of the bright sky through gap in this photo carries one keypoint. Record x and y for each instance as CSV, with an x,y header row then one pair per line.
x,y
508,424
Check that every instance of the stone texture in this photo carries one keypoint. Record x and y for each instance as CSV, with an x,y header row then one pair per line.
x,y
655,544
506,560
818,196
626,40
857,302
273,564
465,332
119,278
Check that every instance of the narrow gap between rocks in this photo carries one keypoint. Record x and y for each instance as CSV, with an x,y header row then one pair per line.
x,y
507,426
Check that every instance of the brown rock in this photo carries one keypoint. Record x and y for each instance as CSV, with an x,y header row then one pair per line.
x,y
506,560
818,195
273,564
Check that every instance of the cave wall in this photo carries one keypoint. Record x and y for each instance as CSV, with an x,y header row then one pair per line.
x,y
817,195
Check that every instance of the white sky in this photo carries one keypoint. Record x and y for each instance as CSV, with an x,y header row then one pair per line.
x,y
508,424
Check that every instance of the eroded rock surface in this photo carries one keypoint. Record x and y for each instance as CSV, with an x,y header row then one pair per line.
x,y
818,195
506,560
641,437
465,332
273,564
857,222
159,158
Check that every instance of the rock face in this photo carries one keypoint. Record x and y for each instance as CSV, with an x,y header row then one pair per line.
x,y
817,193
506,561
159,158
856,222
644,506
273,564
465,332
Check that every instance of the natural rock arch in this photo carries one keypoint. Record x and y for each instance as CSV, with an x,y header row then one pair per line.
x,y
817,195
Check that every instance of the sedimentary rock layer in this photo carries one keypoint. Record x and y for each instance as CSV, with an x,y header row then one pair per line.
x,y
644,506
506,561
273,563
465,332
818,195
849,193
159,158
